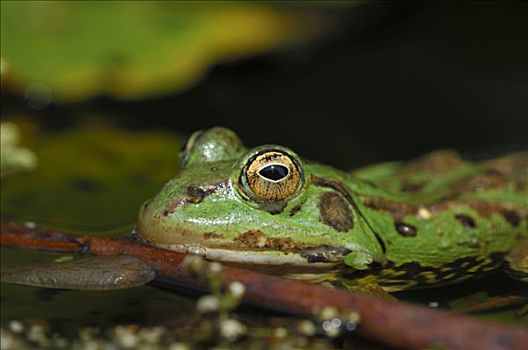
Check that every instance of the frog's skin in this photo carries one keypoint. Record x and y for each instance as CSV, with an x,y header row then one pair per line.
x,y
436,220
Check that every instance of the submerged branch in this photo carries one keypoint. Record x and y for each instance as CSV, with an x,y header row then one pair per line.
x,y
397,324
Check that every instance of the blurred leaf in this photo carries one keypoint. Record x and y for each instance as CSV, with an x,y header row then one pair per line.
x,y
130,49
93,177
13,158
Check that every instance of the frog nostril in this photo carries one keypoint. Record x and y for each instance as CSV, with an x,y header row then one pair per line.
x,y
197,194
192,195
147,204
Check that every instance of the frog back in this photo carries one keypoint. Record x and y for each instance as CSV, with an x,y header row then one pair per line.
x,y
442,218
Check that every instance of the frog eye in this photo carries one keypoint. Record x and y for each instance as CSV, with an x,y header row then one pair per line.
x,y
271,175
186,149
212,145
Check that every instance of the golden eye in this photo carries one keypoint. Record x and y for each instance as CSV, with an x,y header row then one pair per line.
x,y
272,176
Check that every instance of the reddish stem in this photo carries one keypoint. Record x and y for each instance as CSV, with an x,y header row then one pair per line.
x,y
397,324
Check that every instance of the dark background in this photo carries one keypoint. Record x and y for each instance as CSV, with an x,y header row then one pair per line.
x,y
395,81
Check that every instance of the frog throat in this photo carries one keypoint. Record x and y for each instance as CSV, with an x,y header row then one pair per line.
x,y
251,257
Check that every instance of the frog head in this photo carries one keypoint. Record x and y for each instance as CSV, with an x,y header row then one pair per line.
x,y
259,206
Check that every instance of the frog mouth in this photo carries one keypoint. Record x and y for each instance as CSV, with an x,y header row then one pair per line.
x,y
252,249
322,257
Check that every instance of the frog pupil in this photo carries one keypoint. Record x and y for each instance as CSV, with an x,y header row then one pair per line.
x,y
274,172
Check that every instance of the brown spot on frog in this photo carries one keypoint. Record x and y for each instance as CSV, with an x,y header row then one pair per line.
x,y
335,211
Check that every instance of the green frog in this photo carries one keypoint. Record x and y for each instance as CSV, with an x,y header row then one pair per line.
x,y
393,226
439,219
